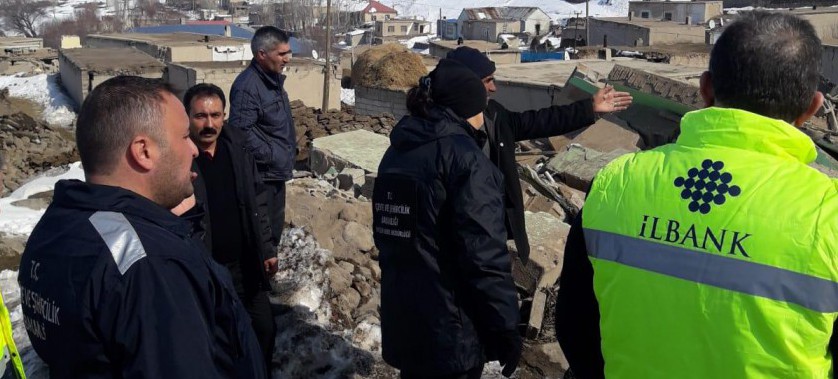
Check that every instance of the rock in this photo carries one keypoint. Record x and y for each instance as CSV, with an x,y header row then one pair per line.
x,y
34,204
348,178
547,358
346,266
356,149
375,269
347,301
358,236
539,302
370,308
339,280
608,134
363,287
365,272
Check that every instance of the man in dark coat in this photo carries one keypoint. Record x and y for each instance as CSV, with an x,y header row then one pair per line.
x,y
234,202
259,107
112,283
505,127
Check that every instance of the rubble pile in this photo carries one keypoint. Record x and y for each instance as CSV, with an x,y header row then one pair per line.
x,y
31,147
328,287
311,123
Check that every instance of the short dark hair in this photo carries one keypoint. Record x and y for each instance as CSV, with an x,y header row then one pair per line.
x,y
267,37
767,63
113,114
200,91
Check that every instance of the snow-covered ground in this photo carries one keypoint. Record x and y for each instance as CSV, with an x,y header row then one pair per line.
x,y
44,90
347,96
21,221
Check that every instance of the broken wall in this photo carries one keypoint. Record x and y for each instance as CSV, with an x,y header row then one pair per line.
x,y
373,101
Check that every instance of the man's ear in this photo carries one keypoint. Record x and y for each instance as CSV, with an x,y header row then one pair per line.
x,y
814,106
143,153
706,89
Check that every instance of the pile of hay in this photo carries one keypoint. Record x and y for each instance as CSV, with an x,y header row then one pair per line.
x,y
388,66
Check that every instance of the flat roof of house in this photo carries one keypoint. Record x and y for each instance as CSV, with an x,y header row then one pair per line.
x,y
556,73
820,10
17,39
648,23
494,47
174,39
121,60
242,65
674,2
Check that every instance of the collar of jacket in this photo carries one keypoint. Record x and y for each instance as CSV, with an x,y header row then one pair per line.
x,y
745,130
276,80
75,194
445,112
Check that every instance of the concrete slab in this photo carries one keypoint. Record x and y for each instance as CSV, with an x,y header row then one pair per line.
x,y
578,165
357,149
548,236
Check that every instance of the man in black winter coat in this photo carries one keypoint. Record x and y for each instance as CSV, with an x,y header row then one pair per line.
x,y
234,203
505,127
112,283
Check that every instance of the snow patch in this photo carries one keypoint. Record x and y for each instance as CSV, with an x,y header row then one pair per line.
x,y
20,221
347,96
44,90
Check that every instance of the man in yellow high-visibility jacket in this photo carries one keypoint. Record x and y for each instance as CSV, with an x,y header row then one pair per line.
x,y
10,363
11,366
715,256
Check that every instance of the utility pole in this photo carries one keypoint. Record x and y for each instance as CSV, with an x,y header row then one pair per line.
x,y
576,28
328,72
587,24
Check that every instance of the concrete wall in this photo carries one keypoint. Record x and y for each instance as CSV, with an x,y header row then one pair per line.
x,y
826,24
191,53
411,28
70,42
373,101
519,97
304,82
626,34
537,18
665,35
509,56
699,11
619,34
488,30
71,79
829,68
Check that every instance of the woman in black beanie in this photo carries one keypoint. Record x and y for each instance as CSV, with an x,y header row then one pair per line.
x,y
448,302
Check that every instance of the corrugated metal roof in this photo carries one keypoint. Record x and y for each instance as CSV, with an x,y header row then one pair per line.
x,y
499,13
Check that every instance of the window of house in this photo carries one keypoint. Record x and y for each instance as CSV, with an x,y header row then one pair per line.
x,y
404,28
386,16
415,27
373,18
391,29
667,16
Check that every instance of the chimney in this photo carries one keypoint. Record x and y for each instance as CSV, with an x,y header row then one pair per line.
x,y
689,20
228,31
631,15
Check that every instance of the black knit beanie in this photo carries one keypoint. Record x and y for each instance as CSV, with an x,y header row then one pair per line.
x,y
455,86
473,59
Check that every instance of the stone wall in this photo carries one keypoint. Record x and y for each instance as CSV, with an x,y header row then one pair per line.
x,y
373,101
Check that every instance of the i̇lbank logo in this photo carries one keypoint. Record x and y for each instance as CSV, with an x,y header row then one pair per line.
x,y
707,186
